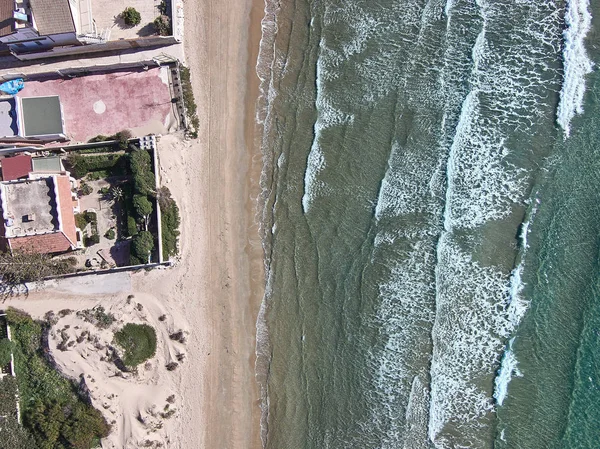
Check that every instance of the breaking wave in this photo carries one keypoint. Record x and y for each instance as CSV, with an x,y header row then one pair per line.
x,y
576,63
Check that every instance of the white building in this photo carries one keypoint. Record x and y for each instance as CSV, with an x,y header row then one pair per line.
x,y
33,25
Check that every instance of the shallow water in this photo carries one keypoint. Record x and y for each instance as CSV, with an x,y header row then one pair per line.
x,y
429,180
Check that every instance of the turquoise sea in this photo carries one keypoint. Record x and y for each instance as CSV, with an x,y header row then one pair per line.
x,y
431,224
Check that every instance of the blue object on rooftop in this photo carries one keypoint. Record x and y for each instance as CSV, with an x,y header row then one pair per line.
x,y
12,87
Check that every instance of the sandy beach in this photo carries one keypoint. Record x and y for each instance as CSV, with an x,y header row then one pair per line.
x,y
214,290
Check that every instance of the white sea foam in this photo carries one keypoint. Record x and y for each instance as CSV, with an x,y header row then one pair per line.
x,y
508,369
403,319
577,65
417,414
405,188
467,338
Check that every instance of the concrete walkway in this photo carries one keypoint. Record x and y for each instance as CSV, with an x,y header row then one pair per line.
x,y
122,57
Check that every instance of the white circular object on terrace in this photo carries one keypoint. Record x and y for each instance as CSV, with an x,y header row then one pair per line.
x,y
99,107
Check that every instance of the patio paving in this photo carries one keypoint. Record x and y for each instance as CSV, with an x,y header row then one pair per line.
x,y
110,102
106,16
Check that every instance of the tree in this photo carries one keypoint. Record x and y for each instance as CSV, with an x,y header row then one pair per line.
x,y
141,245
6,348
143,176
143,208
131,16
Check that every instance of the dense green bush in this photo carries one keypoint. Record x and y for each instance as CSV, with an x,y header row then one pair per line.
x,y
138,341
110,234
163,25
80,221
111,164
52,411
189,101
141,245
131,16
144,181
6,348
12,434
132,228
93,239
143,207
169,221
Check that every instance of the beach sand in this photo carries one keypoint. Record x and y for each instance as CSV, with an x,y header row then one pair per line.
x,y
216,286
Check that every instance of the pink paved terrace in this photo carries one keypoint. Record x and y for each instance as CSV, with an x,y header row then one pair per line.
x,y
108,103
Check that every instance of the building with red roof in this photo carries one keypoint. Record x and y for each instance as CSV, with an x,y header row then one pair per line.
x,y
16,167
38,214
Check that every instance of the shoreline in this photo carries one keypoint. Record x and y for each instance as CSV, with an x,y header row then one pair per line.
x,y
221,45
215,288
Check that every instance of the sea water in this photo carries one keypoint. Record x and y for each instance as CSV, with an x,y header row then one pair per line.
x,y
430,217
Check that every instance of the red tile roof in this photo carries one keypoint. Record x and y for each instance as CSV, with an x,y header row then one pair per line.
x,y
16,167
66,208
6,17
55,242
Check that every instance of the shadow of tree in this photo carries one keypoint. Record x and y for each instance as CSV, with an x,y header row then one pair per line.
x,y
147,30
119,22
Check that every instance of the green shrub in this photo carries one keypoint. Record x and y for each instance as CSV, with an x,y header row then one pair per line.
x,y
99,138
104,164
163,25
131,16
98,317
80,221
6,348
52,411
189,101
90,216
123,138
133,260
86,189
93,239
138,342
162,7
110,234
141,245
170,222
144,181
132,228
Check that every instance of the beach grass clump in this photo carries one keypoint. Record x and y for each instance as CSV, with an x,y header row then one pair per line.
x,y
138,342
53,413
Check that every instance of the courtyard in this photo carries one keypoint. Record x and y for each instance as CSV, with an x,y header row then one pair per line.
x,y
107,103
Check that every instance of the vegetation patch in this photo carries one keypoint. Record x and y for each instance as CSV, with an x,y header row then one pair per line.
x,y
19,267
122,137
97,165
163,25
12,434
142,245
131,16
170,223
53,413
98,317
191,110
138,342
6,349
